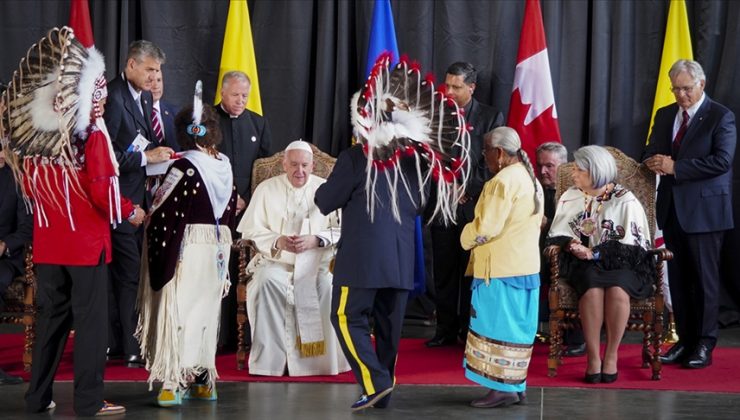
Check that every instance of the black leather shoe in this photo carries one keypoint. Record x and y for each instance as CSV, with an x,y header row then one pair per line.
x,y
700,358
6,379
496,399
675,354
439,341
592,378
575,350
134,361
607,378
113,355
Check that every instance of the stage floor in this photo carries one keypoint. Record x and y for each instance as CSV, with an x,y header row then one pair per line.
x,y
305,401
279,401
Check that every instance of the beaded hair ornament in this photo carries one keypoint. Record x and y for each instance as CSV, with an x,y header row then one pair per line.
x,y
399,114
196,129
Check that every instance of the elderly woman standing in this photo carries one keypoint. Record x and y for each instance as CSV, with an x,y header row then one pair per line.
x,y
504,242
604,231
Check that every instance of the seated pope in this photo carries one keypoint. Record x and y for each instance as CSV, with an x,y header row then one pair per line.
x,y
289,296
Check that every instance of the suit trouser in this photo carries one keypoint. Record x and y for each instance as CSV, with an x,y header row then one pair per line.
x,y
70,297
452,288
124,288
693,276
351,308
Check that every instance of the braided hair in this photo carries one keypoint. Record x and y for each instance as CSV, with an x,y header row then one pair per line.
x,y
507,139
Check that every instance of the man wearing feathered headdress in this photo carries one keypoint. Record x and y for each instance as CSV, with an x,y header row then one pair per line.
x,y
61,153
407,132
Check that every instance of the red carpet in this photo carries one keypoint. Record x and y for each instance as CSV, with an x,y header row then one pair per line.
x,y
443,366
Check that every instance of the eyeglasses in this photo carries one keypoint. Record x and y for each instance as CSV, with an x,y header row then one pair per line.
x,y
683,89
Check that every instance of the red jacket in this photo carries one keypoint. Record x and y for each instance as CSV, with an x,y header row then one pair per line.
x,y
73,227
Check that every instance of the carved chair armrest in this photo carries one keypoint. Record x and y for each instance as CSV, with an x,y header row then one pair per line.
x,y
552,252
246,249
662,254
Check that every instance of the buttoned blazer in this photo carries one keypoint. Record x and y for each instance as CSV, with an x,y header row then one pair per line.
x,y
701,189
124,122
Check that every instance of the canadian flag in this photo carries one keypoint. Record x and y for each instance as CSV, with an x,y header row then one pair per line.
x,y
79,21
532,108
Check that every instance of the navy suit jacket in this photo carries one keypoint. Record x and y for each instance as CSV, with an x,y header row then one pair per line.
x,y
370,254
16,225
167,113
701,189
125,122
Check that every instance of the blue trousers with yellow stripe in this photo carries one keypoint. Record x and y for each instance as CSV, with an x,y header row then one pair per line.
x,y
351,309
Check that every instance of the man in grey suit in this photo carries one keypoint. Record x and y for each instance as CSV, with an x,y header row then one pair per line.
x,y
692,147
128,119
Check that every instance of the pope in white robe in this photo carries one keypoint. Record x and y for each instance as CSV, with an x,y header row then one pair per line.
x,y
289,295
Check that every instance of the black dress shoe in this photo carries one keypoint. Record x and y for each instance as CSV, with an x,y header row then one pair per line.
x,y
575,350
592,378
6,379
113,355
607,378
675,354
700,358
496,399
439,341
134,361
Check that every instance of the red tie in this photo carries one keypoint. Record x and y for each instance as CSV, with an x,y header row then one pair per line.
x,y
680,133
157,126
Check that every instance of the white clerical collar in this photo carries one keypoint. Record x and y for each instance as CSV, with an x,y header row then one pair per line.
x,y
232,116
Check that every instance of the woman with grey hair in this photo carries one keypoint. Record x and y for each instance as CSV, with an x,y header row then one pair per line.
x,y
604,232
502,238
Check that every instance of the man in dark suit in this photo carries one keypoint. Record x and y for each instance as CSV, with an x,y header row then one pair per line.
x,y
374,271
452,288
692,147
163,116
128,118
246,138
16,227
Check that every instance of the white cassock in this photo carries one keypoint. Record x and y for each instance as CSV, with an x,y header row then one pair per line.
x,y
289,296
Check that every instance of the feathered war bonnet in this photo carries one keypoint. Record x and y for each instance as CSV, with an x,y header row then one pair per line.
x,y
399,114
54,95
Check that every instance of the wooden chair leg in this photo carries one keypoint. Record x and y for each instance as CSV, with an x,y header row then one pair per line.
x,y
241,322
556,343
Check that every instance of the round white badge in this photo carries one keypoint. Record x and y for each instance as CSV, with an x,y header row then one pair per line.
x,y
254,139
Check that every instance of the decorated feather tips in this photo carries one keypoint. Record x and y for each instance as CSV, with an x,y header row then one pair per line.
x,y
196,128
398,115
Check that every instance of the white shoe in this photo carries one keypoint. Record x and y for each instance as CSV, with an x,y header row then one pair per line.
x,y
52,405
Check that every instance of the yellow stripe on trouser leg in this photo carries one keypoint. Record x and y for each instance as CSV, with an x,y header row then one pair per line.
x,y
367,381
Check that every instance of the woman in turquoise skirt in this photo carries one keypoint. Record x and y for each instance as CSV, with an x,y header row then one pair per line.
x,y
504,260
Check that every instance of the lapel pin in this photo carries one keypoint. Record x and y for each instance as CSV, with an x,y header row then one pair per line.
x,y
254,139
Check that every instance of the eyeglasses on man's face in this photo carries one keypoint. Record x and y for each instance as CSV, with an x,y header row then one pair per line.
x,y
686,90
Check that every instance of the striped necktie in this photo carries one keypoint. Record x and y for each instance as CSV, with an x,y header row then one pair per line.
x,y
157,125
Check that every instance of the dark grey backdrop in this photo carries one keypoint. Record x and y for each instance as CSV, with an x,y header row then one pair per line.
x,y
604,55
